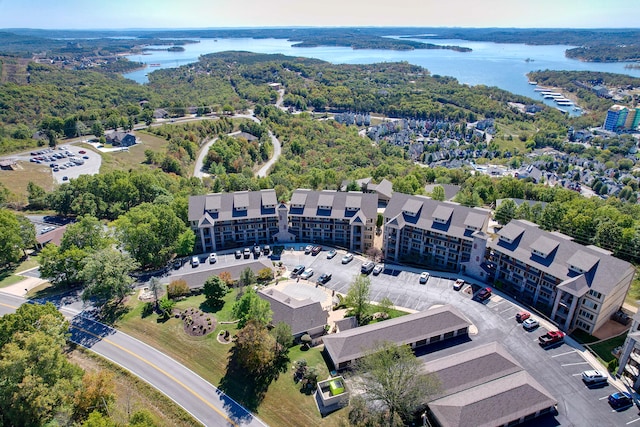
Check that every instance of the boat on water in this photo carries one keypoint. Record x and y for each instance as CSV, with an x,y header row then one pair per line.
x,y
548,96
565,103
154,65
533,83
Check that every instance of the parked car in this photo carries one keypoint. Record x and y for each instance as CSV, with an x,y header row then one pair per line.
x,y
316,250
213,258
65,178
484,294
458,285
238,254
307,249
307,273
424,276
82,152
551,338
247,252
331,253
347,258
256,250
266,250
195,261
378,269
367,267
298,270
530,324
324,278
522,316
620,399
593,377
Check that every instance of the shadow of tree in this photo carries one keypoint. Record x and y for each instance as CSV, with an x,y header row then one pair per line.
x,y
147,310
249,389
111,312
209,307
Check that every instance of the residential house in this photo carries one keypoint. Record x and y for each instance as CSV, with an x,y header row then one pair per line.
x,y
576,286
432,233
485,386
227,220
8,165
416,330
121,139
303,316
341,219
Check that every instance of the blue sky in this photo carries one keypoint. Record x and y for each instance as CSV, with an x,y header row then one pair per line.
x,y
106,14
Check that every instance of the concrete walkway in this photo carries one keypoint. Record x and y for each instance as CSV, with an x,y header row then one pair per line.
x,y
21,288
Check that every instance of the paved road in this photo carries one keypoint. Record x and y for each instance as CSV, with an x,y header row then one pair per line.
x,y
201,399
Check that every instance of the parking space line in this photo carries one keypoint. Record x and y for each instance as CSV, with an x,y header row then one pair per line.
x,y
576,375
603,398
507,309
573,364
563,354
633,421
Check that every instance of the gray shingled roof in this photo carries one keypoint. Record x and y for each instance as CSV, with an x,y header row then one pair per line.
x,y
544,245
354,343
459,218
366,203
226,205
494,403
607,270
467,369
302,315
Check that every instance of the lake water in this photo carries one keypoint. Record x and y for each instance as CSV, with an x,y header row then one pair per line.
x,y
490,64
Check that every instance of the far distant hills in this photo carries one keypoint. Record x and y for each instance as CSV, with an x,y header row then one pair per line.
x,y
597,45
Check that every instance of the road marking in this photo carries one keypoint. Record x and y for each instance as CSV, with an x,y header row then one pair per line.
x,y
576,375
633,421
563,354
574,364
168,375
7,305
507,309
603,398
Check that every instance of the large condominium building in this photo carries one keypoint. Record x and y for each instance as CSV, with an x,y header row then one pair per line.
x,y
437,234
629,366
576,286
344,219
620,117
225,220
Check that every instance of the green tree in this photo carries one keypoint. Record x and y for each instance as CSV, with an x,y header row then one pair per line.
x,y
384,306
252,308
151,233
214,290
62,268
247,277
96,394
11,243
38,380
166,306
506,211
358,299
155,287
391,375
87,233
106,274
283,336
438,193
36,196
27,233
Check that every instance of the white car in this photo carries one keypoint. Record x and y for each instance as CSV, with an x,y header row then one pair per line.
x,y
593,376
378,269
308,249
424,276
307,273
530,323
347,258
213,258
195,261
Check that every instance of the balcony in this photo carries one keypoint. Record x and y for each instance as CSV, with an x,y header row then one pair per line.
x,y
632,370
635,356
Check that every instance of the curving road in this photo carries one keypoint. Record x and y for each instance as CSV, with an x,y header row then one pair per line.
x,y
201,399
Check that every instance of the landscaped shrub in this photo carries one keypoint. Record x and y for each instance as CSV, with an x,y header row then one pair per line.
x,y
178,288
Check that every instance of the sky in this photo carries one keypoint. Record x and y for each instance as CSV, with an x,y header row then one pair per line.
x,y
121,14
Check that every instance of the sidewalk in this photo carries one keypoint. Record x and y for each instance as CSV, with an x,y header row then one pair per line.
x,y
21,288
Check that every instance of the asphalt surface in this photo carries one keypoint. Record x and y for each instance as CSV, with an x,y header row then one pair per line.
x,y
557,368
91,165
201,399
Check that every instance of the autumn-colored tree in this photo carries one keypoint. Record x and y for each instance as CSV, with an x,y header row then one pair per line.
x,y
178,288
225,276
254,348
97,394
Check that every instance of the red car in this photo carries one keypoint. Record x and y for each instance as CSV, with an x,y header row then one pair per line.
x,y
82,152
484,294
522,316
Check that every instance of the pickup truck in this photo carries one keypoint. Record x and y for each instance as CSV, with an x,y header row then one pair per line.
x,y
551,337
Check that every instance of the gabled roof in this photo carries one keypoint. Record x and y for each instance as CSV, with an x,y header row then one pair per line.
x,y
302,315
604,270
355,343
343,205
494,403
385,188
227,204
458,217
544,245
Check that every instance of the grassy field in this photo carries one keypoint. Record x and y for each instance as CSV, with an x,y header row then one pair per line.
x,y
9,280
16,181
134,158
603,348
283,404
8,276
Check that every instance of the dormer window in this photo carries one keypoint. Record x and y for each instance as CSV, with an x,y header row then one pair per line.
x,y
411,207
442,214
506,239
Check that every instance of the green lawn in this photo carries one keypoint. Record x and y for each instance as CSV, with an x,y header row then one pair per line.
x,y
603,349
283,404
8,276
10,280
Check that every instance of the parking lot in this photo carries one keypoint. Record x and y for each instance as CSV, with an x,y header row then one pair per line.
x,y
66,161
557,368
